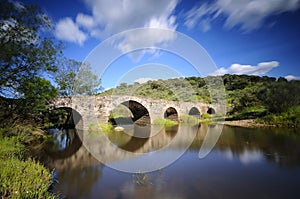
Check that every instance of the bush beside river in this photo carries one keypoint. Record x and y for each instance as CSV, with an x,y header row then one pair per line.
x,y
21,177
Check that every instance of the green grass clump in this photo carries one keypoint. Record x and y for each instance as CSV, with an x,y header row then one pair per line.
x,y
100,127
11,148
205,116
21,178
166,122
106,127
188,119
24,179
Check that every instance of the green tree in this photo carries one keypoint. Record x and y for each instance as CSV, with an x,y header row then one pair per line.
x,y
24,53
86,81
279,96
36,94
76,78
65,76
26,56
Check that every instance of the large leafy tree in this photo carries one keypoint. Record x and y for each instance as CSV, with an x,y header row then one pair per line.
x,y
24,52
37,93
65,76
87,81
26,58
76,78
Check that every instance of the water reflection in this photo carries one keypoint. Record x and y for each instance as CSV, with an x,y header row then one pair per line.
x,y
246,157
245,163
63,143
134,142
280,146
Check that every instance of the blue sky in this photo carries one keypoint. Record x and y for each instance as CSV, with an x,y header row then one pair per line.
x,y
241,36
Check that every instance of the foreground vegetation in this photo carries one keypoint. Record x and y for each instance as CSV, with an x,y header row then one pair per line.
x,y
21,176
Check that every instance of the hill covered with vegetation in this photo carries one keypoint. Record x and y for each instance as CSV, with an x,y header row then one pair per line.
x,y
271,100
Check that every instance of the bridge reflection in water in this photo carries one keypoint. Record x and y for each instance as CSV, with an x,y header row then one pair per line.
x,y
65,149
243,155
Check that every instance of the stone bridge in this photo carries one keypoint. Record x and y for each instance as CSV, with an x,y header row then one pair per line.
x,y
91,109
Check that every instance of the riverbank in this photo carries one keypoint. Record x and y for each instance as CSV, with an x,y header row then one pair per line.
x,y
21,176
247,123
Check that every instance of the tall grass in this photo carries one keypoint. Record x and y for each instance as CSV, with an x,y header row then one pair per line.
x,y
24,179
20,177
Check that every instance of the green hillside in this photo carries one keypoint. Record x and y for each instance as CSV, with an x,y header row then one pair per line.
x,y
271,100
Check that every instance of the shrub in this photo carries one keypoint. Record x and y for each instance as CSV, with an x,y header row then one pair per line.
x,y
19,179
10,148
25,134
166,122
291,118
106,127
205,116
101,126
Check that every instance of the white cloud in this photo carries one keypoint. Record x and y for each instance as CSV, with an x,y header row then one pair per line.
x,y
143,80
292,77
85,21
67,30
111,17
114,17
201,15
261,69
248,14
120,15
128,42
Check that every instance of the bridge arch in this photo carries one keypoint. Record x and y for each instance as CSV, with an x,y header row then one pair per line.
x,y
137,113
211,111
194,111
171,114
71,118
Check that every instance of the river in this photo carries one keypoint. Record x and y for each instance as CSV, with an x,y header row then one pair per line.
x,y
244,163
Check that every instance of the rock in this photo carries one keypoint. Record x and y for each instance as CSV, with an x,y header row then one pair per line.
x,y
119,128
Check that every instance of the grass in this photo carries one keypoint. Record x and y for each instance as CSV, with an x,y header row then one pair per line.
x,y
205,116
11,148
24,179
290,118
104,127
166,122
20,177
248,113
25,134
